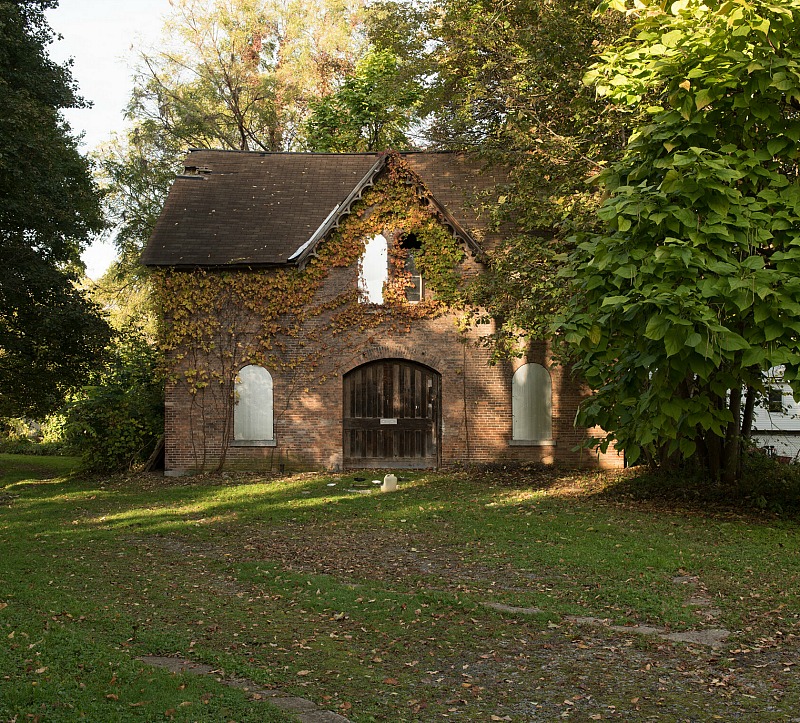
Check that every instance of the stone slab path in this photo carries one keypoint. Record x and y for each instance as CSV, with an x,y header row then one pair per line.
x,y
699,599
305,711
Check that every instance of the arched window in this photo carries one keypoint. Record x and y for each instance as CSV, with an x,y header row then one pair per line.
x,y
373,270
252,415
531,404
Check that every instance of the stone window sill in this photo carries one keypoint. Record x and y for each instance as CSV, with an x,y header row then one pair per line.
x,y
254,443
531,443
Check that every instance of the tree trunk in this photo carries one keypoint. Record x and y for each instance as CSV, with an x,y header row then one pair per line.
x,y
731,452
713,445
747,415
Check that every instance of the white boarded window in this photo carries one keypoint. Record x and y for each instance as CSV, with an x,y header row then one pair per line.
x,y
373,270
252,415
531,404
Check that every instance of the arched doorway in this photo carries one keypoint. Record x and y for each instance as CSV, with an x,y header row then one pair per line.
x,y
391,415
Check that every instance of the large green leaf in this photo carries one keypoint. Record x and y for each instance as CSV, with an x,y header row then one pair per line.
x,y
731,341
657,327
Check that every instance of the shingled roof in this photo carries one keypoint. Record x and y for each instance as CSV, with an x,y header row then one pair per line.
x,y
233,208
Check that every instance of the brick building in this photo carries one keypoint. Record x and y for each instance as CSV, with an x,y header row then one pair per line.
x,y
327,333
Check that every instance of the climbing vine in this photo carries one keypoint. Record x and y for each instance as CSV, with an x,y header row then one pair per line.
x,y
301,323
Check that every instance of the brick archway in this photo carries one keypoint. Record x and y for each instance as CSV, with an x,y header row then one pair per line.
x,y
377,353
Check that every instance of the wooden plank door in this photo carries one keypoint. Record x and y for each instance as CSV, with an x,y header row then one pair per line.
x,y
391,415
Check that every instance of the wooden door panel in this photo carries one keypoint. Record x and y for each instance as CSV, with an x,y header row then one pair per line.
x,y
391,415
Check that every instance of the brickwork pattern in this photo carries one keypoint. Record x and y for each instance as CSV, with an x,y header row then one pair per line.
x,y
476,401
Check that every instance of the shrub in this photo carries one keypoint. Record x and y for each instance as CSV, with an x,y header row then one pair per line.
x,y
770,484
116,423
28,446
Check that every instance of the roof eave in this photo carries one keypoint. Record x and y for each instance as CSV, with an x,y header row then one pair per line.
x,y
232,266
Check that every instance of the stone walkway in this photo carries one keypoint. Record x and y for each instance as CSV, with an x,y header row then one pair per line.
x,y
305,710
698,599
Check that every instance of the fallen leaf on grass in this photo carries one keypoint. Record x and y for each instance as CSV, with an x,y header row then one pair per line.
x,y
497,717
112,696
391,681
303,672
139,704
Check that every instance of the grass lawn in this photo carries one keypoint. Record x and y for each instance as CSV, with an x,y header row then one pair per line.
x,y
374,605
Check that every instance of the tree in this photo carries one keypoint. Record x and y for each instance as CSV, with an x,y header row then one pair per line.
x,y
691,290
374,109
234,74
503,80
243,72
50,334
137,171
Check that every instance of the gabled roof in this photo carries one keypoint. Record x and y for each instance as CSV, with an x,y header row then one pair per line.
x,y
233,208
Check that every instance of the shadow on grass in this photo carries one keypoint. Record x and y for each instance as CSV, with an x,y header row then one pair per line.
x,y
16,468
766,487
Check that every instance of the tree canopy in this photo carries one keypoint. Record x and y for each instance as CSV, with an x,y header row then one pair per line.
x,y
504,80
374,110
49,209
232,74
691,290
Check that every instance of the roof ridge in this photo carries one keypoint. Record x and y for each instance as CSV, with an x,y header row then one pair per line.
x,y
323,153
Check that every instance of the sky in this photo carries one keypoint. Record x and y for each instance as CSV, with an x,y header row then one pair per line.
x,y
101,36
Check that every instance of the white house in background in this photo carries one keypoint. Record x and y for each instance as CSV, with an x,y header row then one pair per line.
x,y
776,419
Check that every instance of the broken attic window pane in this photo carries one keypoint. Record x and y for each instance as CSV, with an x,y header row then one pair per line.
x,y
373,270
412,245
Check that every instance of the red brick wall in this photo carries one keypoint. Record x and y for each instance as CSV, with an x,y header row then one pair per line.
x,y
476,401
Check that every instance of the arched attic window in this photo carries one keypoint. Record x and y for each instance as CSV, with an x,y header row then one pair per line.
x,y
253,410
531,405
373,270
